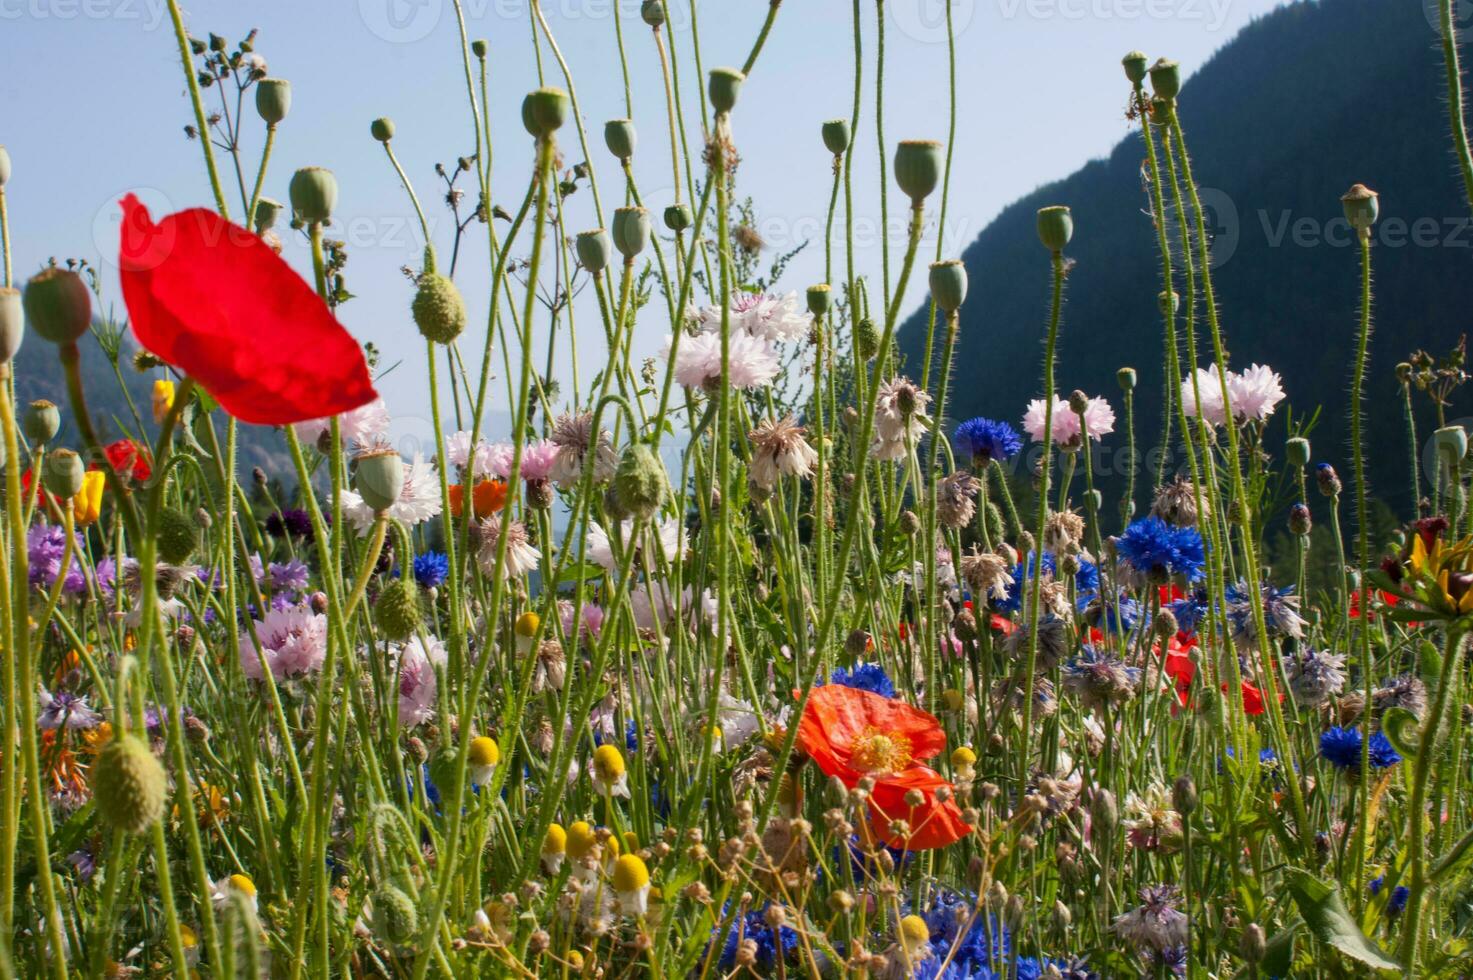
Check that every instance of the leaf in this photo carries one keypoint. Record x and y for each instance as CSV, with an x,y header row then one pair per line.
x,y
1325,913
1278,958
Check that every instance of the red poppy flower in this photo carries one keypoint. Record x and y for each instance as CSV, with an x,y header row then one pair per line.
x,y
1181,669
855,734
1003,625
215,301
128,459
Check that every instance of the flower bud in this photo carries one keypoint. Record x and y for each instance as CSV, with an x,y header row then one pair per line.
x,y
652,12
866,338
594,250
631,231
1125,377
917,168
396,611
41,422
1452,441
479,47
1361,205
394,914
639,482
12,324
273,99
724,86
819,297
544,110
267,210
178,536
438,310
128,785
1078,402
1166,79
4,166
314,194
382,129
619,137
58,305
1296,451
380,479
678,217
836,136
1253,944
1328,480
1300,521
1184,795
949,285
64,473
1104,811
856,644
1134,64
1168,302
1055,227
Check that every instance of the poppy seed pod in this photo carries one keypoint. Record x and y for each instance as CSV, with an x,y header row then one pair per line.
x,y
314,194
1296,451
544,110
678,217
1452,441
273,99
594,250
917,168
4,166
64,473
479,47
1134,64
380,479
396,611
1055,227
128,785
58,305
724,86
836,136
639,482
620,138
1361,206
178,536
12,324
382,129
949,284
438,310
631,231
818,298
1125,377
42,421
652,12
267,211
1166,79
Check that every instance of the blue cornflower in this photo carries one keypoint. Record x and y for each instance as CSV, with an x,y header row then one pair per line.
x,y
1087,579
772,945
290,576
1152,547
1341,748
986,439
1396,902
865,677
431,569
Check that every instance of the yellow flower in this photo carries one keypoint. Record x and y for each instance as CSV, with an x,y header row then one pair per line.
x,y
483,756
554,848
87,505
632,884
163,399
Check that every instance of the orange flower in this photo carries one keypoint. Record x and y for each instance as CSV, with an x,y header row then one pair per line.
x,y
487,498
855,734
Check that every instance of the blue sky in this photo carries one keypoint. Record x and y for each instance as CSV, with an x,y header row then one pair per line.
x,y
95,105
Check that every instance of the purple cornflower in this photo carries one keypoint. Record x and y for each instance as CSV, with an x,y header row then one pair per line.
x,y
45,545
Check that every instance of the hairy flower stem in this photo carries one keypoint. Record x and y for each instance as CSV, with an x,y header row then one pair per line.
x,y
1449,30
201,119
1363,556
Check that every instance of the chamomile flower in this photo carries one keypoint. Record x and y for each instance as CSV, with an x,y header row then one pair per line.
x,y
554,848
608,772
482,758
632,884
525,630
226,889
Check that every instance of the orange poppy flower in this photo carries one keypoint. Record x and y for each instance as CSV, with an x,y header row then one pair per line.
x,y
855,734
486,499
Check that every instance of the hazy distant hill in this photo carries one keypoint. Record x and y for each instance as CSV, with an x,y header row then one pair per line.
x,y
1301,104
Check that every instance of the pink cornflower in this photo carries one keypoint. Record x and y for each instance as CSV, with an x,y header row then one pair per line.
x,y
538,460
359,427
1255,393
1207,384
1099,418
293,640
751,360
521,557
418,685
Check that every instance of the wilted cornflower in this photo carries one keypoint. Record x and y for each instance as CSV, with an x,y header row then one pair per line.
x,y
983,440
779,449
1062,532
1053,641
1314,677
1099,679
987,574
1156,924
955,499
1280,613
418,685
574,437
1402,691
1119,616
520,557
1151,821
900,418
1176,503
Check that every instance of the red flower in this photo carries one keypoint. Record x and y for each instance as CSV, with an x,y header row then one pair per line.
x,y
855,734
128,459
215,301
1181,668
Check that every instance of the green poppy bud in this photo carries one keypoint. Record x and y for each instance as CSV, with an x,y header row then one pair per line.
x,y
273,99
438,310
1105,812
818,298
1125,377
4,166
58,305
314,194
395,915
917,168
1055,227
12,325
382,129
652,12
836,136
866,338
594,250
1361,206
631,231
949,285
396,612
724,87
639,482
619,137
64,473
544,111
1135,67
1296,450
267,210
678,217
380,479
128,785
1166,79
178,536
1452,441
42,421
479,47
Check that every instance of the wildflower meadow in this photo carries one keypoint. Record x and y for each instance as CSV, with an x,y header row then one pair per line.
x,y
747,659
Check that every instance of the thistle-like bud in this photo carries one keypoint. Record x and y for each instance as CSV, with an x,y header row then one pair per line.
x,y
652,12
1328,480
631,231
1055,227
678,217
1296,451
273,99
639,482
1125,377
438,309
856,644
1184,794
379,479
819,298
129,785
724,86
1134,64
1078,402
4,166
396,612
12,325
1452,441
949,285
544,111
1166,79
58,305
1105,812
917,168
267,211
836,136
594,250
178,536
314,194
620,138
41,422
394,914
866,338
1361,205
910,523
1300,521
64,473
382,129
